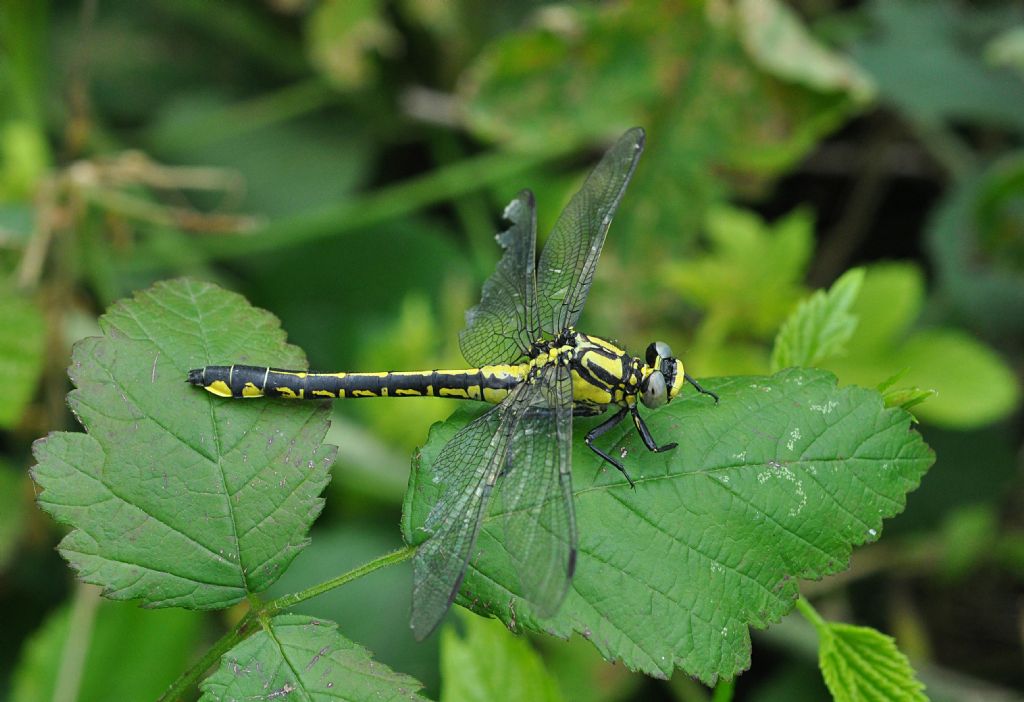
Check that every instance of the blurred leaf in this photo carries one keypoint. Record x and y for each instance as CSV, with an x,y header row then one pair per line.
x,y
176,497
579,668
24,42
969,536
779,42
21,354
888,304
774,484
491,663
971,384
131,653
919,49
585,74
289,162
975,243
1007,49
342,34
307,658
13,511
24,159
820,326
748,281
861,664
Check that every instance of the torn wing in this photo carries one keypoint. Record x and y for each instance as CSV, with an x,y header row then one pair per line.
x,y
501,328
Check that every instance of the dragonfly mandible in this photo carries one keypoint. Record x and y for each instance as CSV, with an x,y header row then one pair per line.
x,y
538,371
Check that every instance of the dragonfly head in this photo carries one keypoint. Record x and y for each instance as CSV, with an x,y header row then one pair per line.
x,y
663,377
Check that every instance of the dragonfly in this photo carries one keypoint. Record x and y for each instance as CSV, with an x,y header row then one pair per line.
x,y
538,371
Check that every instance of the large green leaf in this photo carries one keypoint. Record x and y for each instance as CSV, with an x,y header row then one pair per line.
x,y
174,496
775,483
302,658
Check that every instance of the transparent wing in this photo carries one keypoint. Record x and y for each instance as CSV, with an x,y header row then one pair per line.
x,y
467,467
534,497
501,328
570,255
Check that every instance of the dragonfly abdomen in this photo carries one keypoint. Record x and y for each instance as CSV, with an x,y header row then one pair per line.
x,y
489,383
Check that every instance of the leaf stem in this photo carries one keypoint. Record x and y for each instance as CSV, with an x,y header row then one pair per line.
x,y
290,600
811,614
260,613
225,643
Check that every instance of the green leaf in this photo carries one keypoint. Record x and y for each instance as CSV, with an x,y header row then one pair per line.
x,y
176,497
906,397
860,664
129,653
750,278
918,49
342,34
21,354
299,657
820,326
775,483
14,501
491,663
583,74
777,39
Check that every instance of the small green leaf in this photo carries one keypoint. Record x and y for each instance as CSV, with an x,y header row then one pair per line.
x,y
21,354
492,663
777,482
860,664
906,398
750,278
177,497
302,658
820,326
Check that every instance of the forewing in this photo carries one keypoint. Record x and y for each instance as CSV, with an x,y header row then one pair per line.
x,y
570,255
534,496
501,328
467,467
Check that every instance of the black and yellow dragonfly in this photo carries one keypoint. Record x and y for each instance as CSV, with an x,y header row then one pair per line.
x,y
538,371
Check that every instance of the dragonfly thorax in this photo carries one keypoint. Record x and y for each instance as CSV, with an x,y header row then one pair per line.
x,y
604,374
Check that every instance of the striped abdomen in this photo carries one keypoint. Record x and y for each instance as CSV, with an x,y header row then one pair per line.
x,y
490,383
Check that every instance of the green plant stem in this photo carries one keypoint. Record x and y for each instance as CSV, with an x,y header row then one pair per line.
x,y
385,204
275,606
260,614
187,680
723,691
810,613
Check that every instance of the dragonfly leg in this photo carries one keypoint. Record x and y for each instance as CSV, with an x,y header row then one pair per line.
x,y
600,429
698,388
645,433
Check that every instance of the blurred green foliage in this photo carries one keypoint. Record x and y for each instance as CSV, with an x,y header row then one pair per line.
x,y
343,164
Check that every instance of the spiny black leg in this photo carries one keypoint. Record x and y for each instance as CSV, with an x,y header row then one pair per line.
x,y
645,433
699,389
601,428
